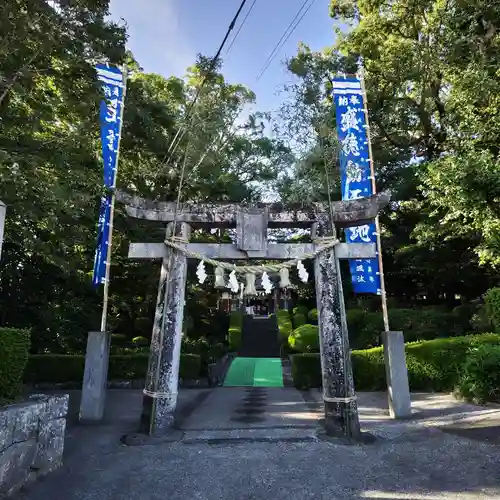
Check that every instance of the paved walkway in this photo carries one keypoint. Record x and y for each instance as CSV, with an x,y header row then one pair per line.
x,y
260,443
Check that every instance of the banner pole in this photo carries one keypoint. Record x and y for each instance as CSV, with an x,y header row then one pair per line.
x,y
385,312
105,298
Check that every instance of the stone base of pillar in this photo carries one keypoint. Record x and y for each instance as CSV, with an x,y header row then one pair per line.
x,y
95,377
397,375
342,420
158,416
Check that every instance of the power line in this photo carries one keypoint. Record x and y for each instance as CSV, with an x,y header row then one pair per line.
x,y
286,35
241,26
179,135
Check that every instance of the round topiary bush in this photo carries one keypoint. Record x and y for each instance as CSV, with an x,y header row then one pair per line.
x,y
300,310
305,338
313,315
299,319
140,341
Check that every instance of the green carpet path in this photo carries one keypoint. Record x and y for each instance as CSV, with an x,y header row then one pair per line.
x,y
255,372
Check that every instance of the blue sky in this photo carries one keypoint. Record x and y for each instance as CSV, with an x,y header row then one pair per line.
x,y
165,36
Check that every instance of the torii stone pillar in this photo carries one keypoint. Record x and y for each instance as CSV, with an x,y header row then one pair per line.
x,y
339,396
162,377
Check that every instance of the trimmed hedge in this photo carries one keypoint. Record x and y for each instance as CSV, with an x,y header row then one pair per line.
x,y
299,319
421,324
14,348
62,368
208,352
234,333
300,310
306,371
313,315
433,365
285,326
305,338
140,341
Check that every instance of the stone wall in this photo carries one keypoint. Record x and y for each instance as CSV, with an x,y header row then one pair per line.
x,y
31,440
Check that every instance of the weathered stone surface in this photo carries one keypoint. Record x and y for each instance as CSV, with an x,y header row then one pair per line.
x,y
95,377
346,213
251,231
15,465
275,251
50,445
162,378
31,439
57,406
341,417
25,421
398,388
6,428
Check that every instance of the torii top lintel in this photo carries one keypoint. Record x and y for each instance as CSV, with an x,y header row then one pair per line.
x,y
225,214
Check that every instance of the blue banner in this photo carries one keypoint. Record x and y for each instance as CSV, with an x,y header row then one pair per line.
x,y
355,173
110,117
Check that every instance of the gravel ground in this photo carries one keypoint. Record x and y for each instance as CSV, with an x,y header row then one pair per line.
x,y
221,456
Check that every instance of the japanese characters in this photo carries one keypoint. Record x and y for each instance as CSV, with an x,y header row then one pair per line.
x,y
356,176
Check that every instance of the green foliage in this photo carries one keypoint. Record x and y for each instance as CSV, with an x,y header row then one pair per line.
x,y
369,369
284,325
64,368
299,319
208,352
492,300
140,341
14,348
463,315
234,334
118,338
234,338
433,95
51,172
480,380
433,365
313,315
190,366
123,367
305,338
56,368
300,309
480,321
235,319
306,371
426,323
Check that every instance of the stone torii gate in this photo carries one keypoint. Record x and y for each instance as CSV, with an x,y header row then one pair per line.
x,y
251,224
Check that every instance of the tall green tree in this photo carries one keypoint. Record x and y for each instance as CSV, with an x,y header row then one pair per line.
x,y
49,167
408,51
432,69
